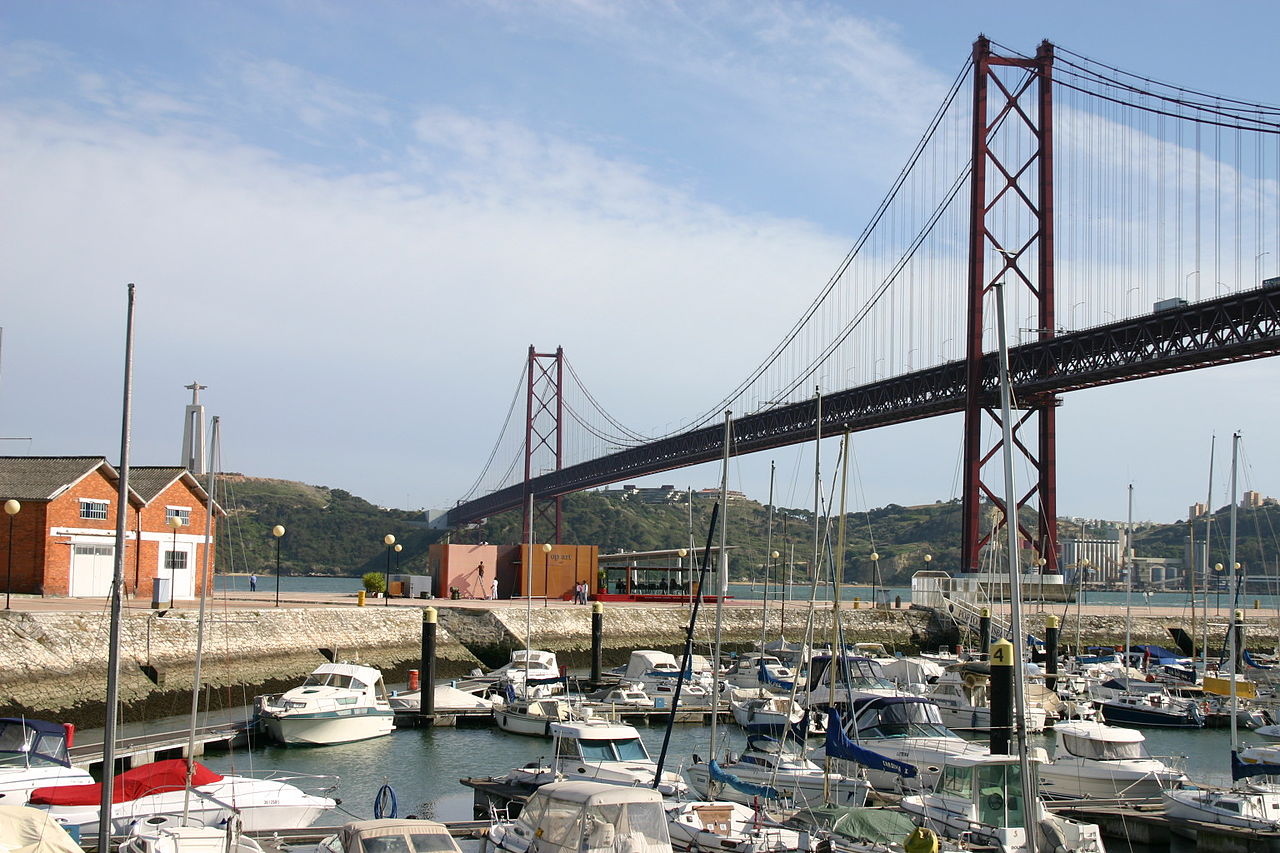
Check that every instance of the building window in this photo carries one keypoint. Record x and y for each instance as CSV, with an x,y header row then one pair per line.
x,y
181,512
94,509
175,560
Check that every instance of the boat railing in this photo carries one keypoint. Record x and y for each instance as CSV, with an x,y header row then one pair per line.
x,y
316,784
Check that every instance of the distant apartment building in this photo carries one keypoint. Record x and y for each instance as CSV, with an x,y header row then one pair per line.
x,y
1251,500
1196,510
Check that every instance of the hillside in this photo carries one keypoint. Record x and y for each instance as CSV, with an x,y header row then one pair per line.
x,y
332,532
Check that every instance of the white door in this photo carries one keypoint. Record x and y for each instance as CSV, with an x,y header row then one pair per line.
x,y
178,567
91,569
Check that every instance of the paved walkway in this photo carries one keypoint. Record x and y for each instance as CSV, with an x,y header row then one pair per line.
x,y
261,599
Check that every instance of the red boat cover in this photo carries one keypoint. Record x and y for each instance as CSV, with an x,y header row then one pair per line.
x,y
154,778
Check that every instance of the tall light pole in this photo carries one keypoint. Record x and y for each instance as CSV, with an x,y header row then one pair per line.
x,y
174,522
11,508
278,532
546,577
389,540
398,549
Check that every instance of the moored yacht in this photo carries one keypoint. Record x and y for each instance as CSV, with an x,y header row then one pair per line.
x,y
983,799
33,754
1107,762
765,763
584,817
338,703
608,752
159,789
907,729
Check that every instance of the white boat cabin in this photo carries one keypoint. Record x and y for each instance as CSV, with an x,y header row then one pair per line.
x,y
587,817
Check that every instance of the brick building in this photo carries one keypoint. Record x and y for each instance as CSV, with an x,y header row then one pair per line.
x,y
63,541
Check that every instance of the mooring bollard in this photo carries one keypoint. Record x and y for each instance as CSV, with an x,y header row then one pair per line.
x,y
1001,696
360,598
597,641
1051,652
427,704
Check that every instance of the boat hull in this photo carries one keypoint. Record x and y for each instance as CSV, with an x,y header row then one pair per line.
x,y
328,728
805,789
1130,715
523,724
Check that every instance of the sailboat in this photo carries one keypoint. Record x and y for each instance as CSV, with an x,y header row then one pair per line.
x,y
994,799
1255,805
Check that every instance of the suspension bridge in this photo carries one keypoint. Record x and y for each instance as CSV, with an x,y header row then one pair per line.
x,y
1134,224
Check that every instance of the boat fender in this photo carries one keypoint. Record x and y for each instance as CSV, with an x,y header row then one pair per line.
x,y
1150,678
921,840
1055,840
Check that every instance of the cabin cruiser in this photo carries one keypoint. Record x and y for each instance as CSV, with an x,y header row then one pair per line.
x,y
532,673
584,817
756,669
1107,762
390,835
984,799
761,712
907,729
608,752
1255,806
338,703
167,834
624,696
159,789
856,678
765,764
533,716
725,826
1147,704
658,672
965,701
34,754
448,699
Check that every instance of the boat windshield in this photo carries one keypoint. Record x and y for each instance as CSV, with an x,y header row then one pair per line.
x,y
22,746
1101,750
866,674
333,679
412,842
908,719
622,749
1000,798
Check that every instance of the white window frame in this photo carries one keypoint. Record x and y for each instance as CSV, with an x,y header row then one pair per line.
x,y
172,560
183,512
89,509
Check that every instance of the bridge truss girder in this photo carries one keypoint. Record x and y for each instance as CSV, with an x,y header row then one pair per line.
x,y
1236,327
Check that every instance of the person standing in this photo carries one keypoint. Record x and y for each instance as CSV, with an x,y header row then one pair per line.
x,y
253,583
493,590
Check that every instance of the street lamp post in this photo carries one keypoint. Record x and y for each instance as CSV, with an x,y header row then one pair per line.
x,y
875,576
546,575
389,540
174,522
278,532
11,508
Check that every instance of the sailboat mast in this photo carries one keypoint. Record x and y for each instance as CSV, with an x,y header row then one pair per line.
x,y
1015,570
528,602
1208,541
837,565
214,428
1128,581
117,589
1234,658
723,586
768,566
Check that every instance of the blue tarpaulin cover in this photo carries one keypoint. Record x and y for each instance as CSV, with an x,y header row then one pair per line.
x,y
737,784
766,678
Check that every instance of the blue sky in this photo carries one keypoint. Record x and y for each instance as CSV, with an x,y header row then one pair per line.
x,y
350,220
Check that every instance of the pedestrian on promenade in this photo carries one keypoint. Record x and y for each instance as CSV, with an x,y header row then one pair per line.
x,y
493,590
253,583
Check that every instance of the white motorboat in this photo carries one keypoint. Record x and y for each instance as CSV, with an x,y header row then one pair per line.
x,y
33,754
533,717
1155,708
658,672
608,752
761,712
624,696
765,764
728,826
584,817
756,669
448,699
338,703
1254,806
855,677
1107,762
531,673
390,835
166,834
906,729
965,702
982,799
158,789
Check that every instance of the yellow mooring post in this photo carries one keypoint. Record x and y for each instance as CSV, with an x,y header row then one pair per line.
x,y
1001,696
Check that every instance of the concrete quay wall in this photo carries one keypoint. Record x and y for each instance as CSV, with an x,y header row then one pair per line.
x,y
53,664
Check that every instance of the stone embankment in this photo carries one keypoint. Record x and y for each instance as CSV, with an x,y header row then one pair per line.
x,y
53,664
